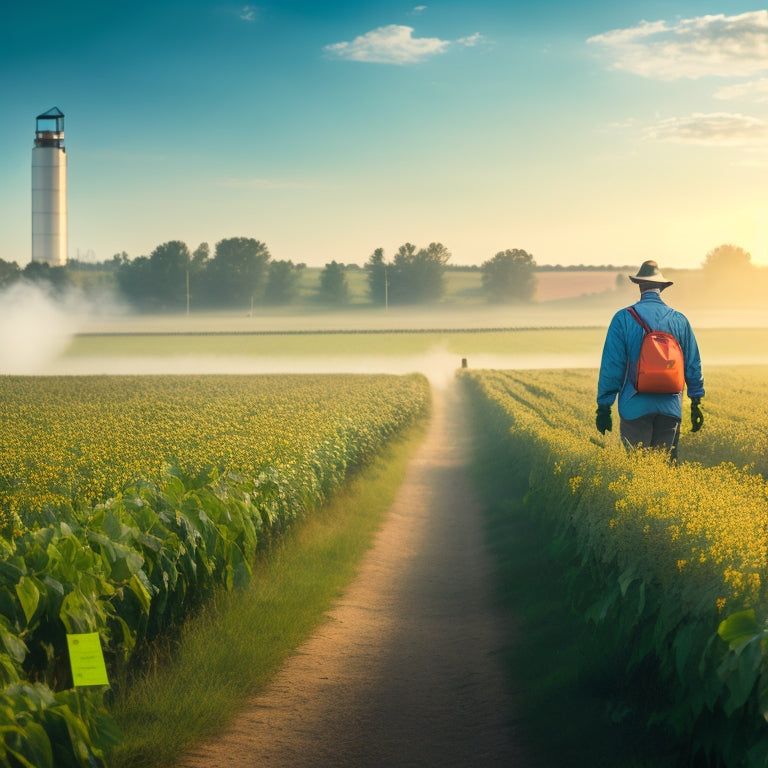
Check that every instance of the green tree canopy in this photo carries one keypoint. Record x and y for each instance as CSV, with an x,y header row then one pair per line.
x,y
728,259
9,272
282,282
376,268
157,281
334,287
236,274
42,272
418,276
509,276
169,265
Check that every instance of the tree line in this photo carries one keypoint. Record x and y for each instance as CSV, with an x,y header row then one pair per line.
x,y
241,273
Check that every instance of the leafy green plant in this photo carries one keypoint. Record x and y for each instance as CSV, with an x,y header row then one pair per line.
x,y
656,557
131,564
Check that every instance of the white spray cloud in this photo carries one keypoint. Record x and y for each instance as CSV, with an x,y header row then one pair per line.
x,y
37,325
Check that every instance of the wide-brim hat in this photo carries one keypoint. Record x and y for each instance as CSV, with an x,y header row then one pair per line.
x,y
649,272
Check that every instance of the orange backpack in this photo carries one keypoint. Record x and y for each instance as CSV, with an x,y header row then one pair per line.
x,y
660,368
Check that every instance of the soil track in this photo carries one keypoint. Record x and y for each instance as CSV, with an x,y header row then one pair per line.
x,y
406,671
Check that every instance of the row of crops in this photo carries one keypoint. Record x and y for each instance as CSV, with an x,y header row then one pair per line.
x,y
126,501
670,562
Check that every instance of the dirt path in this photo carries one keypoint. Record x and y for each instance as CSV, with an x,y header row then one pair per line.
x,y
405,672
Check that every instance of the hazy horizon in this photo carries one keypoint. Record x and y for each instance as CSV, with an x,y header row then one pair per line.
x,y
595,133
38,331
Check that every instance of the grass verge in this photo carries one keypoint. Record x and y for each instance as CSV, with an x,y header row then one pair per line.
x,y
560,670
231,649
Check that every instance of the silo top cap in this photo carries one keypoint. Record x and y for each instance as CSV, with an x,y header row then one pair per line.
x,y
52,113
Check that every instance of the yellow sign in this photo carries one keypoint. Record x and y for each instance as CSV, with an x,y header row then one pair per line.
x,y
87,659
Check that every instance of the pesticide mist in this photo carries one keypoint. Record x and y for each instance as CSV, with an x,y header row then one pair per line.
x,y
38,324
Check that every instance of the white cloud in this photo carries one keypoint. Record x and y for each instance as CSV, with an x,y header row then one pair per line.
x,y
719,45
754,90
472,40
394,44
418,9
715,129
249,13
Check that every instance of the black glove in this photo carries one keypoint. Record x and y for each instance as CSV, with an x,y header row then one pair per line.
x,y
697,417
603,420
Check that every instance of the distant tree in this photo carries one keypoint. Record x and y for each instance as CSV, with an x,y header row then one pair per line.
x,y
376,268
9,272
169,269
728,259
418,276
334,287
509,276
41,272
236,273
157,281
133,280
198,284
200,256
282,282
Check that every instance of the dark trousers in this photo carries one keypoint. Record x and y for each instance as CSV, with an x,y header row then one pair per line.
x,y
655,430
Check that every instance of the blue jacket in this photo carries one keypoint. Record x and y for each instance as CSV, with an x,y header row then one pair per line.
x,y
622,347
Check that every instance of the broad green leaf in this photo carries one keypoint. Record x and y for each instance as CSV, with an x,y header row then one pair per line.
x,y
739,629
34,747
29,597
126,563
13,644
742,679
141,588
626,579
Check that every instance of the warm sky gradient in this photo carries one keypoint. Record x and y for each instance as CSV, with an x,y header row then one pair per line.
x,y
595,132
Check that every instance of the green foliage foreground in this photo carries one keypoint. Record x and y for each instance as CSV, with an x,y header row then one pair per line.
x,y
130,565
667,564
232,647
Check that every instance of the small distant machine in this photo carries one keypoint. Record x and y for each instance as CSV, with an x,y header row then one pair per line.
x,y
49,190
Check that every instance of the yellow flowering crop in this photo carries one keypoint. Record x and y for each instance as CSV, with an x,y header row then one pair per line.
x,y
703,520
70,439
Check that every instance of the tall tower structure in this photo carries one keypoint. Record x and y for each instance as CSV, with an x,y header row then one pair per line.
x,y
49,190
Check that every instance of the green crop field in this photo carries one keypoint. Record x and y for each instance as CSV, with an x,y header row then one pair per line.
x,y
126,501
670,561
717,344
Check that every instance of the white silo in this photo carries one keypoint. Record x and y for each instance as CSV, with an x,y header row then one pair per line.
x,y
49,190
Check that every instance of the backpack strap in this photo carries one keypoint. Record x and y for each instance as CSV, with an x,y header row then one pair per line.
x,y
646,327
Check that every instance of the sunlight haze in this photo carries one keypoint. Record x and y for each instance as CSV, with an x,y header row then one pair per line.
x,y
596,133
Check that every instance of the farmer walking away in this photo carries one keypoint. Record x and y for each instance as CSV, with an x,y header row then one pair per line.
x,y
650,354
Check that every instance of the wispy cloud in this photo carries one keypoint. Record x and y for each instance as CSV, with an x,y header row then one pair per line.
x,y
714,129
472,40
249,13
395,44
718,45
418,10
754,90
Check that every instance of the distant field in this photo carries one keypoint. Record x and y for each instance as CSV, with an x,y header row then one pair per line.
x,y
717,345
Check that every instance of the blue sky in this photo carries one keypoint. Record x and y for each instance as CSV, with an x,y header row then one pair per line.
x,y
595,132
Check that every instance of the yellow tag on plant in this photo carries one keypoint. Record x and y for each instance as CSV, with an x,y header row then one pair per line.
x,y
87,659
